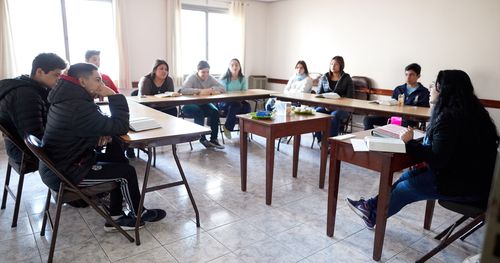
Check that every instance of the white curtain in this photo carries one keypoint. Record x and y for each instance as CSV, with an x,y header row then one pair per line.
x,y
237,12
124,82
7,61
174,46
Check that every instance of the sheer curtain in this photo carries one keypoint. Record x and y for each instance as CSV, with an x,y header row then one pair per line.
x,y
237,13
124,82
7,61
174,46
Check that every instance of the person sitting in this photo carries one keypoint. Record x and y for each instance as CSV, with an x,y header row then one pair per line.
x,y
23,100
75,127
415,94
94,57
337,81
233,80
459,151
158,82
202,83
300,82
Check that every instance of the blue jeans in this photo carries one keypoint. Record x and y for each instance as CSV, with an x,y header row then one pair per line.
x,y
413,185
339,116
199,112
232,109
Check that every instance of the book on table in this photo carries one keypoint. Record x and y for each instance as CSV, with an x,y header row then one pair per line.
x,y
393,131
143,123
391,102
381,144
328,95
165,94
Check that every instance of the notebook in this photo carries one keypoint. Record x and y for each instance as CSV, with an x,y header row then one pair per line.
x,y
142,124
385,102
393,131
165,94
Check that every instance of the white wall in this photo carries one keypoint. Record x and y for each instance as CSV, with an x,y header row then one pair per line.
x,y
146,35
379,38
255,38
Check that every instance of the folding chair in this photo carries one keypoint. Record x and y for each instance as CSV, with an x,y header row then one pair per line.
x,y
28,164
69,192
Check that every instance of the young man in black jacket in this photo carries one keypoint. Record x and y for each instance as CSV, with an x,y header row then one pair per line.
x,y
76,126
23,100
415,94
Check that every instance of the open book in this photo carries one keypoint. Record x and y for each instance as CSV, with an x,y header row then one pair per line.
x,y
142,124
378,144
328,95
165,94
393,131
391,102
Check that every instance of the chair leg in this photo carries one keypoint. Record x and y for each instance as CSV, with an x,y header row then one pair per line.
x,y
312,144
451,228
448,240
56,223
7,181
429,212
222,132
279,142
191,145
18,198
472,231
154,156
45,213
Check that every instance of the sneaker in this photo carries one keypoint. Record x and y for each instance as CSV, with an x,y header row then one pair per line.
x,y
362,210
130,153
227,132
215,143
125,221
206,143
153,215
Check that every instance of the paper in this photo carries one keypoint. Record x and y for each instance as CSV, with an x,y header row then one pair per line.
x,y
359,145
344,136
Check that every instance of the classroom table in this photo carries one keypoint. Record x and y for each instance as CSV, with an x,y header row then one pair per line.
x,y
277,127
172,131
359,106
250,94
384,162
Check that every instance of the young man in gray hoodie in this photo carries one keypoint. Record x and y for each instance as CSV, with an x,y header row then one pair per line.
x,y
203,84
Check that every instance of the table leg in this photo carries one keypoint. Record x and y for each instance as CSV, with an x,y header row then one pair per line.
x,y
429,211
324,155
296,148
333,189
384,197
143,195
243,156
269,169
174,151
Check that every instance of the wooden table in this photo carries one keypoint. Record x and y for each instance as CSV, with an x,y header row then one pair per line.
x,y
384,162
251,94
173,130
278,127
359,106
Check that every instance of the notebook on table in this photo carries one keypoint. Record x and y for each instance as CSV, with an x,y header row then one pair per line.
x,y
165,94
328,95
143,123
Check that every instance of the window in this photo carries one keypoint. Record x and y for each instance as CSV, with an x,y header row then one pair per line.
x,y
40,28
206,36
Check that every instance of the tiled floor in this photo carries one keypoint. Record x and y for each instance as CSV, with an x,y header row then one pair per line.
x,y
236,226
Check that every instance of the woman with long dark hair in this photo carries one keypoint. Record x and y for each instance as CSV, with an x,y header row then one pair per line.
x,y
459,152
233,80
336,81
158,81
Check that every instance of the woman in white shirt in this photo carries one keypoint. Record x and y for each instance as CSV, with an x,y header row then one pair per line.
x,y
300,82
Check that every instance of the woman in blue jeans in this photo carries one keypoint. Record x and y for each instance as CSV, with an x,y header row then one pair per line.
x,y
337,81
233,80
458,151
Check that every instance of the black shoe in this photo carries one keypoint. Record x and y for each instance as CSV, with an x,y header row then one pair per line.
x,y
206,143
78,203
153,215
125,221
215,143
130,153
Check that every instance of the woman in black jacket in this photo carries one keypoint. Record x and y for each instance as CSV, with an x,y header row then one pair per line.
x,y
459,151
340,82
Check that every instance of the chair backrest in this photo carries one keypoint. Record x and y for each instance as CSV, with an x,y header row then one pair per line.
x,y
362,87
134,93
35,145
13,138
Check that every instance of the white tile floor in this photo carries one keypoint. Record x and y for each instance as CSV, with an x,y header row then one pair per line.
x,y
236,226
